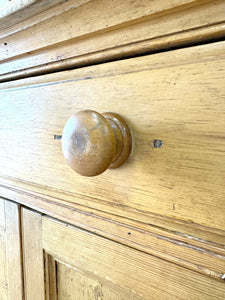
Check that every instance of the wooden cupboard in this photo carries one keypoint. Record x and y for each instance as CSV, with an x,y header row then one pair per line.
x,y
153,228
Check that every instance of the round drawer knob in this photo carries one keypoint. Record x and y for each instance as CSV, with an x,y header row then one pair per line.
x,y
94,142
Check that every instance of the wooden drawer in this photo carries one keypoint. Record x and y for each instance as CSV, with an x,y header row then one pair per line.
x,y
174,97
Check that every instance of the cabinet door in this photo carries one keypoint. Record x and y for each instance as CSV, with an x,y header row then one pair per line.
x,y
11,287
64,262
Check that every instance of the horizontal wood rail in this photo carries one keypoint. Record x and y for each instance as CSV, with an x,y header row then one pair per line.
x,y
173,41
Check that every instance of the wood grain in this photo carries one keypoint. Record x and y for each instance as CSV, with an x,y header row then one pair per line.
x,y
177,101
81,265
32,17
119,268
3,261
87,286
192,247
51,278
115,14
2,213
11,282
35,43
33,257
14,255
13,12
173,41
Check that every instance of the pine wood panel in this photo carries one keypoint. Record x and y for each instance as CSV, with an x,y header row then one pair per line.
x,y
33,259
87,286
3,261
13,246
178,101
192,247
52,288
135,272
2,213
11,282
104,268
108,25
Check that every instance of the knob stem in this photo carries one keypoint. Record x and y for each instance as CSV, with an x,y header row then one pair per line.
x,y
123,139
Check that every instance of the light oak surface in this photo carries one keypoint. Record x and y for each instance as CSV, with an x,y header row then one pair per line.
x,y
81,265
175,99
59,38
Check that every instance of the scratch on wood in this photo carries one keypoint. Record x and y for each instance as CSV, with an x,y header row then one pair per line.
x,y
185,244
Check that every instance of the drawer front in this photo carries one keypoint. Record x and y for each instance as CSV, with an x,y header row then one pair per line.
x,y
174,104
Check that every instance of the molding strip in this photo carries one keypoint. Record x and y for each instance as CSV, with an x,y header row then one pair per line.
x,y
170,42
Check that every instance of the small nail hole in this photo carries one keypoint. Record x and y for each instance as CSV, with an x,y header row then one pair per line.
x,y
57,137
157,143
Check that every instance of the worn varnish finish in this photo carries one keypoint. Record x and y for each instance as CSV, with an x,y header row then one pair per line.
x,y
117,30
175,103
104,268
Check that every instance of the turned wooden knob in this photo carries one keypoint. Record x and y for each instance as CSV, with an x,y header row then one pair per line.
x,y
94,142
